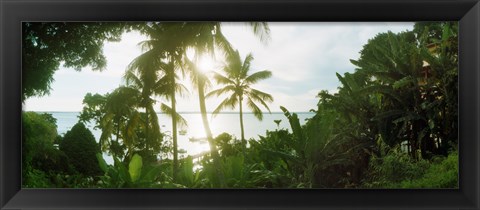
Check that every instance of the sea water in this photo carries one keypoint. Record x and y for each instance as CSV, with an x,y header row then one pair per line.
x,y
223,122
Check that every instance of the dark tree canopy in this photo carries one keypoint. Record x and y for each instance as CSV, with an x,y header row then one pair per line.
x,y
47,45
81,148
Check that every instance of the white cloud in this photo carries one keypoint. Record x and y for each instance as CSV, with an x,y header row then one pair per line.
x,y
118,55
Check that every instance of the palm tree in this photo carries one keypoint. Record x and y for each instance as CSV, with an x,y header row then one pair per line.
x,y
120,112
158,77
164,56
142,75
238,83
203,38
112,113
175,39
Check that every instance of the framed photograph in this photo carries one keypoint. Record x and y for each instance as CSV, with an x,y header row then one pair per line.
x,y
239,104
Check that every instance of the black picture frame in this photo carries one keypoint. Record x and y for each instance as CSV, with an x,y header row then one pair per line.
x,y
13,12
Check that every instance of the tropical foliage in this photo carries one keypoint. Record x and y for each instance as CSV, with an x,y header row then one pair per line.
x,y
80,147
237,83
392,123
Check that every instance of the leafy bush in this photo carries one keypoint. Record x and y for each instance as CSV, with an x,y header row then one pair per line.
x,y
51,160
228,145
34,178
398,170
39,132
40,157
81,148
134,175
441,174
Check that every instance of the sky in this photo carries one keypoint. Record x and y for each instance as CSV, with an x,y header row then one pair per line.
x,y
303,59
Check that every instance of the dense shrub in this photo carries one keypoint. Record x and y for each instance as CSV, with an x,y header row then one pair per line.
x,y
81,148
228,145
34,178
392,168
51,160
443,173
39,132
398,170
39,157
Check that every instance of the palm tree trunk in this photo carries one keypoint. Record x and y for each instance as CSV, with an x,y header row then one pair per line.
x,y
118,129
208,132
244,143
174,123
118,134
146,129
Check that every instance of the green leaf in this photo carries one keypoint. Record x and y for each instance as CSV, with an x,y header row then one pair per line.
x,y
294,123
150,173
404,82
410,116
387,114
122,170
135,167
101,162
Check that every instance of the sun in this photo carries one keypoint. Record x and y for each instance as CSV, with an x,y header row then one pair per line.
x,y
206,64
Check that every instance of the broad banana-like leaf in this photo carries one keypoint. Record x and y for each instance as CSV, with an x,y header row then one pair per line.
x,y
135,167
387,114
101,162
409,117
150,173
122,170
294,123
404,82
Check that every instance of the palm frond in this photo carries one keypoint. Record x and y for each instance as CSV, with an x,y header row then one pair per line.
x,y
168,111
233,65
258,96
257,112
261,30
162,87
132,80
154,122
221,91
222,42
181,89
257,76
222,79
264,96
230,102
245,68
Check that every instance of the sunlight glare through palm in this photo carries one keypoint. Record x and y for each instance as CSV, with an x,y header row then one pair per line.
x,y
206,64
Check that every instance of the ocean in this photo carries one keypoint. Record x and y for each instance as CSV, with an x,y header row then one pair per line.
x,y
223,122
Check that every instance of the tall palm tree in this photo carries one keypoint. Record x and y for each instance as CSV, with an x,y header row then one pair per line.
x,y
176,38
238,83
141,75
204,38
120,112
164,55
114,113
154,79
